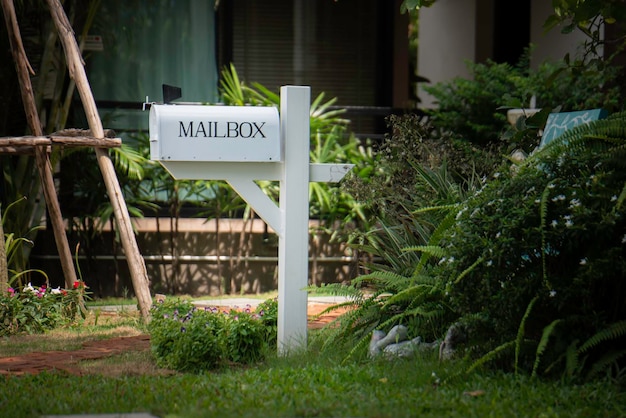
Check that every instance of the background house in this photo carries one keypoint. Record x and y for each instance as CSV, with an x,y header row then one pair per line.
x,y
354,50
454,31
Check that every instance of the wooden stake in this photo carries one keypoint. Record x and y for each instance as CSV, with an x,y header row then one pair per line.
x,y
42,157
76,69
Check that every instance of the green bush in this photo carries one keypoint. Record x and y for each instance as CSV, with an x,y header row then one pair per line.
x,y
190,339
474,109
546,243
36,309
245,338
185,338
267,312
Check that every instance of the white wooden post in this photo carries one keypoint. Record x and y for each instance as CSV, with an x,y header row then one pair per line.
x,y
293,245
205,158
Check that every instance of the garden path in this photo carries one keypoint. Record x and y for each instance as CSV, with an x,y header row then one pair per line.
x,y
67,361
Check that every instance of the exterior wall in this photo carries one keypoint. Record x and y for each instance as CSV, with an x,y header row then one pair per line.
x,y
212,258
552,45
453,31
446,40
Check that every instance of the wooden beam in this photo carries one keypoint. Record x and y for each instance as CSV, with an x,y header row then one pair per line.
x,y
108,133
136,263
65,141
17,150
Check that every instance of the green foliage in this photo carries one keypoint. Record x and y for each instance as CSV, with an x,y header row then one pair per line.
x,y
268,314
592,18
34,310
330,143
190,339
16,249
185,338
245,338
413,205
473,109
408,5
551,231
468,107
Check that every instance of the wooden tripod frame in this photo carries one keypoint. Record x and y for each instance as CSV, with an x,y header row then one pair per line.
x,y
94,138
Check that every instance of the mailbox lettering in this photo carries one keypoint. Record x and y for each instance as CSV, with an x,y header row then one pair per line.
x,y
218,129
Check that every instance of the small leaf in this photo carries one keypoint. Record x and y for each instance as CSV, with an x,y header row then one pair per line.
x,y
474,393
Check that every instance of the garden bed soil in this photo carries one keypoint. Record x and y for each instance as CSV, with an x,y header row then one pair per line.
x,y
68,361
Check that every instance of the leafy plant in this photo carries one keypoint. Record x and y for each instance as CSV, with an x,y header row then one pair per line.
x,y
16,255
186,338
36,309
329,144
473,109
245,337
552,232
415,208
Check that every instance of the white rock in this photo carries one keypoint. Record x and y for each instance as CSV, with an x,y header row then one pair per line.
x,y
397,334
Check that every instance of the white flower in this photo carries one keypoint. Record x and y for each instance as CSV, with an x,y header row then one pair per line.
x,y
56,291
551,186
569,223
624,239
443,260
583,261
498,235
552,293
574,203
29,288
613,198
451,260
554,223
489,263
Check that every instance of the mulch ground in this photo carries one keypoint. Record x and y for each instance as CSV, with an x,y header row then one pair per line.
x,y
36,362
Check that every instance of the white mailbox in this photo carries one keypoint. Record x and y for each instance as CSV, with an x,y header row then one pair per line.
x,y
214,133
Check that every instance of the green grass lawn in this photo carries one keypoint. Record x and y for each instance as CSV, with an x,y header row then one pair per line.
x,y
309,385
302,384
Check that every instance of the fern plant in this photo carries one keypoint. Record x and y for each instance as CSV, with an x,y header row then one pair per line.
x,y
547,245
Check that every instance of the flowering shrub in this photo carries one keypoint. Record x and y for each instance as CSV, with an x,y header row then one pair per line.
x,y
35,309
267,312
545,244
191,339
